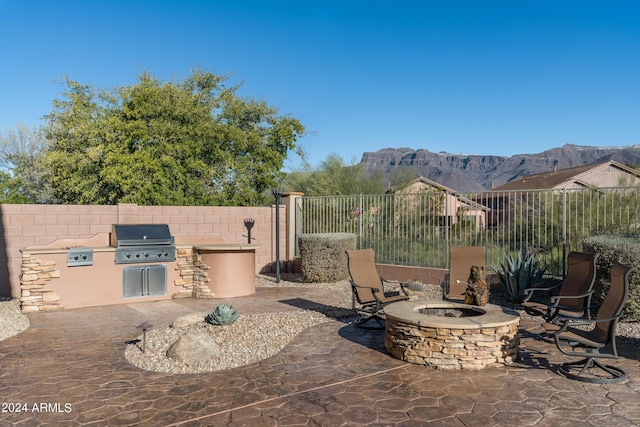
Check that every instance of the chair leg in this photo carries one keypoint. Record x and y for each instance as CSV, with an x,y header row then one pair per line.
x,y
360,322
585,367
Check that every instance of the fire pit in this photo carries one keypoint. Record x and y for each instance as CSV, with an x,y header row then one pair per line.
x,y
448,335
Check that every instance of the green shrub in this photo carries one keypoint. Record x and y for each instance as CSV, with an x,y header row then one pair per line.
x,y
224,314
623,249
323,257
517,273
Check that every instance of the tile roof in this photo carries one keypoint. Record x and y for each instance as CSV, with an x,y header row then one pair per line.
x,y
560,177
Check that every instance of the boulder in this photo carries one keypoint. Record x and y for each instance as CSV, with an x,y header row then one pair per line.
x,y
188,320
193,347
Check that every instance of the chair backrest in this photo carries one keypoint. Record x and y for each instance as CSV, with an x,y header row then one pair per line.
x,y
580,278
462,258
613,304
362,270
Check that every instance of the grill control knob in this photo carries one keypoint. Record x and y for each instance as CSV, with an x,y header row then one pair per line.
x,y
128,255
137,255
146,255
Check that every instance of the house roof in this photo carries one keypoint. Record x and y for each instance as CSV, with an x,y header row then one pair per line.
x,y
444,189
560,178
422,180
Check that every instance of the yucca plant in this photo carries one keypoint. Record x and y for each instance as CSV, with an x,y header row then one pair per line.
x,y
224,314
517,273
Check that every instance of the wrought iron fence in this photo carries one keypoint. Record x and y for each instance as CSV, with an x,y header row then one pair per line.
x,y
418,229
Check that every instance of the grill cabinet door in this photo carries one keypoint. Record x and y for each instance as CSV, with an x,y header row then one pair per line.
x,y
156,279
142,281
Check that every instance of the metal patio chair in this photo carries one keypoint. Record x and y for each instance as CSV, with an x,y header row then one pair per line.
x,y
461,259
573,339
368,288
573,299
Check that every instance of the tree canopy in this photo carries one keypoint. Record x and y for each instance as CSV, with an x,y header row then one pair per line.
x,y
334,177
194,142
23,178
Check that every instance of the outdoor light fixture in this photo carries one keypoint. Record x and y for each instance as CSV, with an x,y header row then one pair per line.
x,y
277,193
249,223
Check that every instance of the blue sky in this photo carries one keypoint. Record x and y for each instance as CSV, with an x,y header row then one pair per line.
x,y
476,77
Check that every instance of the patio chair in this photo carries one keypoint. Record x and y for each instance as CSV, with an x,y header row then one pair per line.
x,y
573,293
368,288
573,339
461,259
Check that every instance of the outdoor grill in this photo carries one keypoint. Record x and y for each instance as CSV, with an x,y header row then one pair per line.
x,y
142,243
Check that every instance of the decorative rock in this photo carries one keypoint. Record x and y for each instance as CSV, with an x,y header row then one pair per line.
x,y
51,307
193,347
50,296
29,309
188,320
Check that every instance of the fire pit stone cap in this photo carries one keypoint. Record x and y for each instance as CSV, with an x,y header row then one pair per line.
x,y
408,312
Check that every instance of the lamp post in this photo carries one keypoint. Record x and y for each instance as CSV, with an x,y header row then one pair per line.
x,y
277,193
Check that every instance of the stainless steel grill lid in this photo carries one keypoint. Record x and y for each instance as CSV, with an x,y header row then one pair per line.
x,y
142,243
140,235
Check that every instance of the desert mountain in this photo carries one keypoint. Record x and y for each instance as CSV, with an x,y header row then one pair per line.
x,y
463,172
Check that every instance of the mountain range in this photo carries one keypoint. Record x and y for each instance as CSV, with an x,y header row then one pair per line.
x,y
473,172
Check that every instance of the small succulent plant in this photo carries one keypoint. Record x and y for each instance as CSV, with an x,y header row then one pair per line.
x,y
414,285
224,314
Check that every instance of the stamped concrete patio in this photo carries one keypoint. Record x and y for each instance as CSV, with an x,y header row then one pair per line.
x,y
69,368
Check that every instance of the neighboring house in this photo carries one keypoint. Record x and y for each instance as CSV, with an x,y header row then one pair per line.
x,y
597,175
452,206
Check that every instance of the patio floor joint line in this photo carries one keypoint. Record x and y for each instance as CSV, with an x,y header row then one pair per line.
x,y
286,396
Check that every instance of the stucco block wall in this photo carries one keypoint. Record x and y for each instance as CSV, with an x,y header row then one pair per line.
x,y
39,225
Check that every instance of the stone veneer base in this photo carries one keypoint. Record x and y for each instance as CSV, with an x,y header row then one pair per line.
x,y
473,342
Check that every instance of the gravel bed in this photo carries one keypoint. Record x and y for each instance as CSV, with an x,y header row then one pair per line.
x,y
251,338
254,337
12,320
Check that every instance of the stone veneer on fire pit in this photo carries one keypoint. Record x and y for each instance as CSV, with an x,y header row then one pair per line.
x,y
448,335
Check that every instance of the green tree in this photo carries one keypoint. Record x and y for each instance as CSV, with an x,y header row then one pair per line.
x,y
10,189
25,178
333,177
194,142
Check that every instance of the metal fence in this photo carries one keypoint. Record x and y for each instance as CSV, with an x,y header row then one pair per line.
x,y
418,229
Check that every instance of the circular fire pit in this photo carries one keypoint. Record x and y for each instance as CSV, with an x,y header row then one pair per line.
x,y
447,335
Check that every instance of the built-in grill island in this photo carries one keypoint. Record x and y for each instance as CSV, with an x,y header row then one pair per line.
x,y
134,263
143,243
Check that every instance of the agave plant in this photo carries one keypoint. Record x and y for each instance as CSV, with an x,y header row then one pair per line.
x,y
224,314
517,273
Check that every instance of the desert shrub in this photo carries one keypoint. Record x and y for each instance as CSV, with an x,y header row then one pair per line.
x,y
517,273
414,285
323,257
623,249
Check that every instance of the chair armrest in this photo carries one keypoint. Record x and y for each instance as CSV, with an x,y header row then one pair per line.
x,y
566,323
374,290
403,285
554,300
540,286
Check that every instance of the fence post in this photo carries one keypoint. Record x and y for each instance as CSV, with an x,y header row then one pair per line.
x,y
292,206
447,225
360,203
564,231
